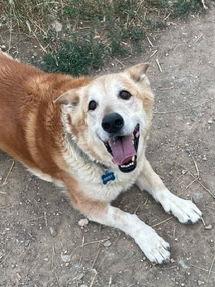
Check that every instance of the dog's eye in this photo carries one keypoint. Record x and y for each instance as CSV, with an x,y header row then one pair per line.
x,y
92,105
125,95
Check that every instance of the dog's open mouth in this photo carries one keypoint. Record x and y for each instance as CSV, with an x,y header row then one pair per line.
x,y
124,150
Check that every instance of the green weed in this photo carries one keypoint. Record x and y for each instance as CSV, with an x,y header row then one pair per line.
x,y
93,31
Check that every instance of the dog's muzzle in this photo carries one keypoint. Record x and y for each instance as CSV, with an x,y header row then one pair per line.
x,y
122,148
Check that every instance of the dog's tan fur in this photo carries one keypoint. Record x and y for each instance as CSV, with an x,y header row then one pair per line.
x,y
37,112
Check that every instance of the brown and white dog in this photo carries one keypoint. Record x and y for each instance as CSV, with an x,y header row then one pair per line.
x,y
88,135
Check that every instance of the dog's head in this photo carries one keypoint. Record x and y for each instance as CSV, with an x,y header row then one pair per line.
x,y
109,116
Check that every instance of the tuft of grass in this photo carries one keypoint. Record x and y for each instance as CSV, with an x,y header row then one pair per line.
x,y
93,31
76,57
183,8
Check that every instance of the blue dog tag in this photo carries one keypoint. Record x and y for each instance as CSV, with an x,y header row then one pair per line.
x,y
108,176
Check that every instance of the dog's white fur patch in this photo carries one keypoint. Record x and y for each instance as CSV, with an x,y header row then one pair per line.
x,y
153,246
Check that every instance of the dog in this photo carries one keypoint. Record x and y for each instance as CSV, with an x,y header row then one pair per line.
x,y
89,136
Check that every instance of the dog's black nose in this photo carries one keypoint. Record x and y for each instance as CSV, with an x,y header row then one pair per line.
x,y
112,123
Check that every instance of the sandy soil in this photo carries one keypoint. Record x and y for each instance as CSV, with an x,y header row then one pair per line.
x,y
41,243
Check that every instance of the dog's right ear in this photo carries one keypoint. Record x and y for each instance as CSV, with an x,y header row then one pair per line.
x,y
138,72
69,97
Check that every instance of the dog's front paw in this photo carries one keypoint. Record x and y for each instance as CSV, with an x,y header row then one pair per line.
x,y
185,210
155,248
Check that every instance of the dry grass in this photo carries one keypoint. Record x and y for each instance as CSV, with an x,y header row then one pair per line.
x,y
89,32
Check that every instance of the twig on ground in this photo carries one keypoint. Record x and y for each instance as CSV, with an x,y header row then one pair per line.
x,y
210,270
110,281
94,277
136,209
202,185
153,53
159,223
203,221
149,41
41,46
198,38
174,231
167,88
204,5
52,258
167,16
9,172
5,257
180,176
159,66
92,242
32,219
117,60
196,166
58,284
45,218
82,245
200,268
191,183
96,257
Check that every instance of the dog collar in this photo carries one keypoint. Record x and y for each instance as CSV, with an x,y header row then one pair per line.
x,y
107,175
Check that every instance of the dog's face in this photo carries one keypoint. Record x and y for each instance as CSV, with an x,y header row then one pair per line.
x,y
110,116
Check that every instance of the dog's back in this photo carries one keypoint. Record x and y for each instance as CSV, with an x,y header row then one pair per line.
x,y
30,123
13,97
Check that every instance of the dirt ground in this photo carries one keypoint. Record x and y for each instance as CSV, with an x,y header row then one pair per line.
x,y
41,243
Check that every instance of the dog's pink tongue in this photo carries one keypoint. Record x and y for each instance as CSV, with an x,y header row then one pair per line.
x,y
122,149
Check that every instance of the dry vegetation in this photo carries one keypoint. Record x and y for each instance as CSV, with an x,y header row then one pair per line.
x,y
78,36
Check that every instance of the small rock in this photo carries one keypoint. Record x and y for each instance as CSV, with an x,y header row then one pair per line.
x,y
107,243
208,227
3,48
172,260
83,222
27,242
67,264
183,171
57,26
46,259
183,264
200,282
204,157
182,284
210,121
197,197
53,232
65,257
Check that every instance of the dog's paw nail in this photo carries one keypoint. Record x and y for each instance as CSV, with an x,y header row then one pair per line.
x,y
168,248
189,221
166,261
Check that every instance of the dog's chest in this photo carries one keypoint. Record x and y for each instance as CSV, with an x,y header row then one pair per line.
x,y
97,182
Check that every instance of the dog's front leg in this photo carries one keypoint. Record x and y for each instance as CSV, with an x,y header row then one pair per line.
x,y
185,210
152,245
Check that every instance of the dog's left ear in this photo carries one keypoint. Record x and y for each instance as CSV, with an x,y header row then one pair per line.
x,y
137,72
69,97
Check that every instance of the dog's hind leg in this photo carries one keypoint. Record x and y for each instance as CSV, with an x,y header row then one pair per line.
x,y
185,210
